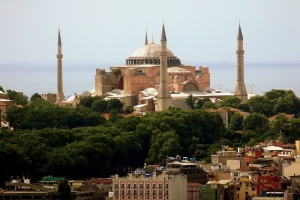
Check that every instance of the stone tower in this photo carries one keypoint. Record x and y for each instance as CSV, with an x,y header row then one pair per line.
x,y
60,93
164,99
240,88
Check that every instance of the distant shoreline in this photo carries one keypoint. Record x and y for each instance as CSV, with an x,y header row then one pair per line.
x,y
41,78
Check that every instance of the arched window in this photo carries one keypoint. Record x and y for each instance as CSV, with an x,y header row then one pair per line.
x,y
190,86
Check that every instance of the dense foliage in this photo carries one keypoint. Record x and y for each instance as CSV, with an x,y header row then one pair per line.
x,y
105,149
19,98
81,143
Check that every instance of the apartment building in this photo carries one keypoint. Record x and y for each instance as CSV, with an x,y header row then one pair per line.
x,y
137,186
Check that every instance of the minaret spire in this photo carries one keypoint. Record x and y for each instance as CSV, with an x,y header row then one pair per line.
x,y
60,93
59,39
240,88
240,35
146,39
163,34
164,100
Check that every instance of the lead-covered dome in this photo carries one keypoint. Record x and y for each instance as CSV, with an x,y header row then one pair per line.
x,y
149,54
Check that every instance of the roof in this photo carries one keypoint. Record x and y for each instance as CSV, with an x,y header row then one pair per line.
x,y
223,182
106,181
272,148
51,179
140,105
150,90
289,116
150,50
191,184
244,114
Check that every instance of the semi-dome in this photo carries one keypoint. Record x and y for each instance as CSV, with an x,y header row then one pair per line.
x,y
149,54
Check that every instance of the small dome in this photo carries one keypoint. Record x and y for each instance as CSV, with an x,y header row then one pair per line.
x,y
150,91
69,99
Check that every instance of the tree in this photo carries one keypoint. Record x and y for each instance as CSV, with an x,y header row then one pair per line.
x,y
86,101
64,190
115,104
1,89
99,106
200,154
260,104
294,131
191,101
165,144
236,121
208,105
19,98
11,94
231,101
280,124
35,96
256,122
244,107
201,103
275,102
248,135
114,115
129,110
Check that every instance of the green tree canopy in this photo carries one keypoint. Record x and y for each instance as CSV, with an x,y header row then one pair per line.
x,y
20,99
231,101
99,106
2,89
35,96
275,102
190,101
208,105
115,104
256,122
86,101
236,121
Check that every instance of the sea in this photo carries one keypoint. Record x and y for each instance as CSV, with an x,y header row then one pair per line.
x,y
78,78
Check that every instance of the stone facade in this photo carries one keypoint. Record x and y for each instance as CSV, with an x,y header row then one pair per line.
x,y
49,97
138,186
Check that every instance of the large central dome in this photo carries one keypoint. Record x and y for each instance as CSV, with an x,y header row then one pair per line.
x,y
150,50
149,54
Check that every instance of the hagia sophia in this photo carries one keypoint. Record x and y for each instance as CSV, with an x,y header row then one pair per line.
x,y
154,79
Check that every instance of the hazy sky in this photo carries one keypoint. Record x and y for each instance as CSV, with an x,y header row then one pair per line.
x,y
98,32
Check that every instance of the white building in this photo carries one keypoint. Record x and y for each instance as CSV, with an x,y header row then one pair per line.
x,y
137,186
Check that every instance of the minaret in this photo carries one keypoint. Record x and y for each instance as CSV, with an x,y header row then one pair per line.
x,y
164,99
240,88
60,93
